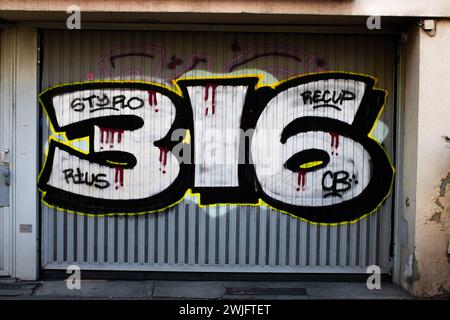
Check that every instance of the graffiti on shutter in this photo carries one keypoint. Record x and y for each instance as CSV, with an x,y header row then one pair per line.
x,y
303,146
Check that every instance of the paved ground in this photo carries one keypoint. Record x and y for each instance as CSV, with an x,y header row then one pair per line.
x,y
107,289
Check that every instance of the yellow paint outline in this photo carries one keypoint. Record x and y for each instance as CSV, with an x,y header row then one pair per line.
x,y
310,164
117,163
187,137
177,90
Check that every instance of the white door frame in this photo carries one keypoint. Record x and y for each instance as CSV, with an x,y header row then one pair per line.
x,y
6,91
19,109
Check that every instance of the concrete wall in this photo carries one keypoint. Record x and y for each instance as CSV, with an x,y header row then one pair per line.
x,y
410,119
426,269
327,7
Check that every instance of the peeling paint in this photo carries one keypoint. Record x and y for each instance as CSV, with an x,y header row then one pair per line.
x,y
447,139
448,252
411,272
408,268
443,186
443,292
439,204
416,274
442,190
436,217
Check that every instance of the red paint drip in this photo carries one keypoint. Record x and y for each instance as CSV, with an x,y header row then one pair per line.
x,y
213,87
152,99
119,136
163,158
334,142
102,131
118,180
110,138
107,136
301,180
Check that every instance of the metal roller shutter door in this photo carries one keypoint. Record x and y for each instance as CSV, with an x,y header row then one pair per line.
x,y
228,238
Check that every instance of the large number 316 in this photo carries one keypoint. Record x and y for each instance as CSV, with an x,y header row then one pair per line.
x,y
303,146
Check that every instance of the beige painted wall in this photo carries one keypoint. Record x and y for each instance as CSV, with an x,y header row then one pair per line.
x,y
425,263
438,8
427,162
